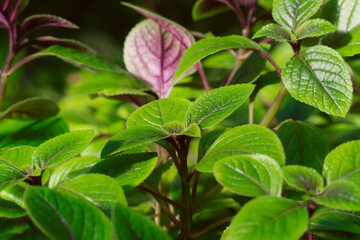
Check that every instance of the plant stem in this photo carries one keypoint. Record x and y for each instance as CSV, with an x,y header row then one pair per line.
x,y
251,111
155,194
203,77
211,227
274,108
194,188
25,60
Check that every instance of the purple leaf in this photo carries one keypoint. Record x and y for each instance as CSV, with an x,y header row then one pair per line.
x,y
44,21
48,41
175,29
153,54
9,10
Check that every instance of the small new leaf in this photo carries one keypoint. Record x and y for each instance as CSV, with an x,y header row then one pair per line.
x,y
303,179
276,32
314,28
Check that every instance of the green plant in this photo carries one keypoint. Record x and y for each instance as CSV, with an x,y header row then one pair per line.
x,y
196,166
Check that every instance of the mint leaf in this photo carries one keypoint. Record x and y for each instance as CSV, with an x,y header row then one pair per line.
x,y
276,32
292,13
269,218
319,77
246,139
249,175
61,148
10,210
314,28
19,157
341,195
216,105
342,163
303,179
128,169
208,46
62,215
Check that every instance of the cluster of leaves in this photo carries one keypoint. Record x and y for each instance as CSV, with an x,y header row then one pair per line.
x,y
177,160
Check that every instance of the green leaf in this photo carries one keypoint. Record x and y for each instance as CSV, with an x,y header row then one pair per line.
x,y
207,140
269,218
32,109
330,220
216,105
10,210
132,137
292,13
245,139
9,176
36,133
276,32
20,157
314,28
319,77
79,58
343,163
249,175
61,148
71,167
349,45
160,112
62,215
131,225
129,95
101,190
208,46
304,144
128,169
340,195
303,179
207,8
250,70
10,228
15,193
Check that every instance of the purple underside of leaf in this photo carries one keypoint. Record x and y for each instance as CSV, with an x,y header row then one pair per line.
x,y
48,41
9,11
153,54
44,21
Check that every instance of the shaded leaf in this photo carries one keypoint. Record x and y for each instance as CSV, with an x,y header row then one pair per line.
x,y
292,13
207,8
245,139
207,140
160,112
304,144
303,179
177,128
129,95
128,169
101,190
250,70
132,137
10,210
15,193
32,109
36,22
314,28
10,176
319,77
208,46
71,168
249,175
79,58
269,218
276,32
131,225
48,41
36,133
217,104
62,215
341,195
61,148
342,163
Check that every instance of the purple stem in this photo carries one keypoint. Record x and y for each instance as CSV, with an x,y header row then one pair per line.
x,y
203,77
